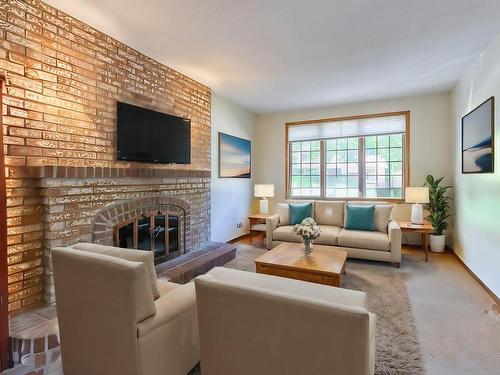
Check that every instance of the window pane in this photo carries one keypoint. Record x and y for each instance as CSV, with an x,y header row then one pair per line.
x,y
396,168
352,182
383,154
315,169
331,169
331,144
342,143
382,168
352,169
342,169
371,168
315,181
396,181
383,182
306,169
396,193
352,143
370,155
370,142
383,141
306,182
396,140
315,157
341,156
352,156
396,154
352,193
341,182
341,193
371,180
383,193
331,156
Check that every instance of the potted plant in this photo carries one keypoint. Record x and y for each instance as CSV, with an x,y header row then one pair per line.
x,y
308,230
439,211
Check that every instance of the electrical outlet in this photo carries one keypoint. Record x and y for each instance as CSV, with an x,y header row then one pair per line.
x,y
239,225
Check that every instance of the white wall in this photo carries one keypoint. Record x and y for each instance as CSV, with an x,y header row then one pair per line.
x,y
231,198
477,197
430,146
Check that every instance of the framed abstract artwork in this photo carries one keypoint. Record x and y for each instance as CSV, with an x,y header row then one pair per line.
x,y
235,156
478,127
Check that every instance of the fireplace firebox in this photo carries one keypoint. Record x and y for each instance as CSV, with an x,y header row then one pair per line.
x,y
155,231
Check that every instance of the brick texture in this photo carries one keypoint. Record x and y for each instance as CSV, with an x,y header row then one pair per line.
x,y
62,81
87,210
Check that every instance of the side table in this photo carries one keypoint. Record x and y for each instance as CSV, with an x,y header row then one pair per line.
x,y
423,229
257,224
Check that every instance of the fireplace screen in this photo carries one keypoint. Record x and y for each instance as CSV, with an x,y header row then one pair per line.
x,y
158,232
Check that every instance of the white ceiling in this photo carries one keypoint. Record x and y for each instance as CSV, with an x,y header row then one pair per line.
x,y
281,55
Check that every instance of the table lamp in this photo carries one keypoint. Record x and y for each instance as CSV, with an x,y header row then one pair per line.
x,y
417,196
264,191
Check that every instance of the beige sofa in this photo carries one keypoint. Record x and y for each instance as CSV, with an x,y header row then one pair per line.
x,y
383,244
115,317
259,324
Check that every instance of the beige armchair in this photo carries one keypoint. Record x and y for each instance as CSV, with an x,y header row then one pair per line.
x,y
116,318
259,324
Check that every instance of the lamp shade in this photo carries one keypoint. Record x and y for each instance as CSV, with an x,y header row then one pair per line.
x,y
263,190
417,195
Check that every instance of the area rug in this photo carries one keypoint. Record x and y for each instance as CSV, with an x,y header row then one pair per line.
x,y
397,348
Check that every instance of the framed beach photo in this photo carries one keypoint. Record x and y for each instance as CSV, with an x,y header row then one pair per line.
x,y
235,157
478,127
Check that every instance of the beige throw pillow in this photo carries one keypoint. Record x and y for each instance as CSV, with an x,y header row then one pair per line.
x,y
283,211
329,212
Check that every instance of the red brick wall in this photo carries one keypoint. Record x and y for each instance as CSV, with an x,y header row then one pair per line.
x,y
63,79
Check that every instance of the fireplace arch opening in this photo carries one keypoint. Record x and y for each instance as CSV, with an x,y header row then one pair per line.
x,y
153,223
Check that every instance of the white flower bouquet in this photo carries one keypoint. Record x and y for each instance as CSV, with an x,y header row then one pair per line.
x,y
308,230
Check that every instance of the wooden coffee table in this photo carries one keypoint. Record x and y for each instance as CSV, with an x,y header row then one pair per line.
x,y
325,265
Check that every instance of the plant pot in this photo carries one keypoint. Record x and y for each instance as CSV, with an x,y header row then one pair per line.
x,y
437,243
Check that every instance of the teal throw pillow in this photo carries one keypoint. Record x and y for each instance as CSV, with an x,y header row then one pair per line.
x,y
299,212
360,217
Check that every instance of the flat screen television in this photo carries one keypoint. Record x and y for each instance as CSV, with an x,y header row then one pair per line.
x,y
148,136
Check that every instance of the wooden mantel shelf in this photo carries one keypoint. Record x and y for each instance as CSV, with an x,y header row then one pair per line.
x,y
111,172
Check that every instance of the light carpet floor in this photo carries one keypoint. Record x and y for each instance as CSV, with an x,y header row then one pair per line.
x,y
397,347
457,328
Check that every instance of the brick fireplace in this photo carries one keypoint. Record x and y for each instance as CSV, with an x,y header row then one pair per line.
x,y
86,204
63,79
